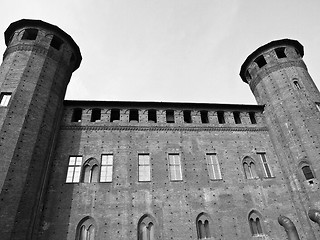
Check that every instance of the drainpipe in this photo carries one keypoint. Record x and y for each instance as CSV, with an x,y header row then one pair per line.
x,y
289,227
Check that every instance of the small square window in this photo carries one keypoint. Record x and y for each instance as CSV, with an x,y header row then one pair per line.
x,y
56,42
280,52
260,61
30,34
5,98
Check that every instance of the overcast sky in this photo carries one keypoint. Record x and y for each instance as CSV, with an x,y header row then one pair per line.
x,y
171,50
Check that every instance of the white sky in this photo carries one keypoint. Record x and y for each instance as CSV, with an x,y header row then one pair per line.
x,y
171,50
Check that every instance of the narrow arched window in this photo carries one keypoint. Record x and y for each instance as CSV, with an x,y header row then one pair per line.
x,y
203,226
90,172
146,230
249,168
254,220
86,229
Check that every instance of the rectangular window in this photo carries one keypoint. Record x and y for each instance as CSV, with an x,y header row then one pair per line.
x,y
175,167
115,115
5,98
152,115
221,119
187,116
77,115
204,116
170,116
236,116
106,168
144,168
96,115
74,169
252,116
265,164
133,115
213,166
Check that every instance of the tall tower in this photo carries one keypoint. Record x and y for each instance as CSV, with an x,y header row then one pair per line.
x,y
279,79
36,69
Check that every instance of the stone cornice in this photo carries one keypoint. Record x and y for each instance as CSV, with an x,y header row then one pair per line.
x,y
268,70
162,128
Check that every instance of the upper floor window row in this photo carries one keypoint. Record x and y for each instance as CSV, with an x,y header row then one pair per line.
x,y
93,170
32,33
170,116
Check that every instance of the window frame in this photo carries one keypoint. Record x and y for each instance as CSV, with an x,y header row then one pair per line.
x,y
5,98
77,165
108,174
144,166
213,165
264,161
249,161
171,167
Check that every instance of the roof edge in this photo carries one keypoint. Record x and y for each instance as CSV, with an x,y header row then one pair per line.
x,y
38,23
256,53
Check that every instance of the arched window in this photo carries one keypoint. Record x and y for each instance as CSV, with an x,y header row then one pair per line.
x,y
203,226
86,229
90,171
296,83
255,223
249,168
146,228
307,172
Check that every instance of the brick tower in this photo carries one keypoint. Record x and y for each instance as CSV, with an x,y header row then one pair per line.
x,y
279,79
35,72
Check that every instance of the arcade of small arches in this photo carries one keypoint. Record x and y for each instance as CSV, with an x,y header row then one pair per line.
x,y
146,227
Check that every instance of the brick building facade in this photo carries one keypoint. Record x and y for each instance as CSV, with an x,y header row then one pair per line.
x,y
149,170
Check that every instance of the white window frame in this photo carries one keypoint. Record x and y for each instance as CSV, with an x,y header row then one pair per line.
x,y
74,169
144,167
175,171
213,166
106,172
265,164
5,98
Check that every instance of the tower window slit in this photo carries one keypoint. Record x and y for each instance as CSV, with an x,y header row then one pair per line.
x,y
77,115
280,52
260,61
187,116
170,116
252,116
221,119
236,116
96,115
30,34
152,115
133,115
115,115
204,116
56,42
